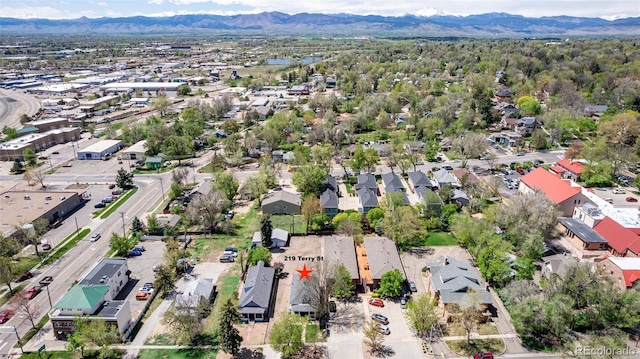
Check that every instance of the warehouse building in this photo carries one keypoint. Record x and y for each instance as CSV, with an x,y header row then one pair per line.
x,y
14,149
102,150
135,152
144,86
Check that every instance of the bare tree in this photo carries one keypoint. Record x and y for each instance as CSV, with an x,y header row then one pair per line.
x,y
472,145
179,176
527,214
491,161
373,337
321,288
209,206
25,306
468,313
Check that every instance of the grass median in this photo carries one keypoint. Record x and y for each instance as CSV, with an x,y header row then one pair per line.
x,y
67,244
117,203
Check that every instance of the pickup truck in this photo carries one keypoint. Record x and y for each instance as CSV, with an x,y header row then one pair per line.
x,y
46,281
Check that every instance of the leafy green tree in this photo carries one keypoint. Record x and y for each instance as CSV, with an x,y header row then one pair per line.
x,y
373,337
29,157
343,286
175,191
310,208
391,283
539,140
308,179
17,168
177,146
529,105
468,312
525,268
184,90
286,334
121,245
259,254
10,133
227,184
493,264
153,226
348,224
374,215
124,179
164,279
422,314
184,324
403,226
161,104
446,193
230,338
266,230
7,272
364,159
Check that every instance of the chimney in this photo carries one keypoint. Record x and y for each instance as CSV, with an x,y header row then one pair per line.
x,y
446,260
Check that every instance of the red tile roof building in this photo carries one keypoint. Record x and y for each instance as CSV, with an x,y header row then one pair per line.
x,y
554,188
625,272
573,169
622,241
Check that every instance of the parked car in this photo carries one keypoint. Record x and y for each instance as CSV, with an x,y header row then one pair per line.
x,y
95,237
42,158
631,199
376,302
32,292
447,167
230,214
134,253
230,251
67,164
227,258
107,200
618,191
143,296
384,329
112,186
100,205
46,247
412,286
520,153
46,281
24,276
139,247
485,355
403,303
55,153
4,316
379,318
520,171
116,192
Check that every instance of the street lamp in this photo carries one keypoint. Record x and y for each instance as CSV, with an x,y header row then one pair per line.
x,y
49,296
161,187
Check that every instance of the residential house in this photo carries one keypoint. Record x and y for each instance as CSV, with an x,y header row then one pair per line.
x,y
392,182
595,111
329,202
442,177
279,238
94,297
557,264
569,169
558,191
429,199
257,294
382,148
625,272
367,200
414,146
622,242
342,251
281,202
277,155
586,242
460,197
301,300
288,156
382,256
526,125
197,292
503,95
330,82
508,139
368,181
298,90
452,282
331,184
419,179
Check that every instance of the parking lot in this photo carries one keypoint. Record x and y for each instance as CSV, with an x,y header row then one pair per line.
x,y
141,268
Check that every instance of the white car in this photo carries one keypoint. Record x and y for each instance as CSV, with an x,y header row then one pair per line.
x,y
618,191
95,237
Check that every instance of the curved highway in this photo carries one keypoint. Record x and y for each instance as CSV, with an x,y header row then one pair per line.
x,y
10,113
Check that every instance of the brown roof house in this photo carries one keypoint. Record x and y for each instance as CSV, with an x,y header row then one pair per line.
x,y
281,202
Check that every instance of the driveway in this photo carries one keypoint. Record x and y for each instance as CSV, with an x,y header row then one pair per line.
x,y
401,341
345,326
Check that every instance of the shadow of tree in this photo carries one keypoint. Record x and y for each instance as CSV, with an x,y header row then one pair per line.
x,y
345,319
421,252
383,351
246,353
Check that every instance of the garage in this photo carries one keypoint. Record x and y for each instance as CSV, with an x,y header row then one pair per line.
x,y
102,150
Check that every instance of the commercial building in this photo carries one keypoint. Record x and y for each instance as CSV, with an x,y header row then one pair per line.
x,y
14,149
94,298
144,86
135,151
57,89
47,124
100,150
17,207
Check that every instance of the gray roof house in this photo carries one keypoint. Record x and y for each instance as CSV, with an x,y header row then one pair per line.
x,y
451,281
331,183
460,197
279,238
419,179
367,200
257,293
301,299
557,264
329,202
281,202
367,180
383,257
443,176
402,194
429,198
196,292
342,250
392,180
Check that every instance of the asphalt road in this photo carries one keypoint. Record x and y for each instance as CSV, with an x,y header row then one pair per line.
x,y
10,113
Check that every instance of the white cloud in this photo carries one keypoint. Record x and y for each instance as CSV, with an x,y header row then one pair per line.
x,y
32,12
155,2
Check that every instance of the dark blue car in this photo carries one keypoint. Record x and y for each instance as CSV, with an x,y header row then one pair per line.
x,y
134,253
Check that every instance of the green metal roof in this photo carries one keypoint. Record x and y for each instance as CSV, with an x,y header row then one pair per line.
x,y
82,297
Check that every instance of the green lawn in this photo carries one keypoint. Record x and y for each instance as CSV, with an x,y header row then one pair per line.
x,y
440,239
117,203
69,242
350,189
177,354
460,347
285,222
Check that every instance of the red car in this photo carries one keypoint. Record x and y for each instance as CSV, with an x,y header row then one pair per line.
x,y
112,186
4,316
32,292
632,199
376,302
24,276
483,356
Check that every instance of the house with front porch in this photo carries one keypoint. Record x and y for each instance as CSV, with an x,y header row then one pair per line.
x,y
257,294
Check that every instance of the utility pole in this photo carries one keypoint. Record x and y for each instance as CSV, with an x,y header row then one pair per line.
x,y
77,228
161,187
49,296
124,233
50,164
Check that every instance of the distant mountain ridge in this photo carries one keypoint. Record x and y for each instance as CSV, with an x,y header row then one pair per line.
x,y
490,24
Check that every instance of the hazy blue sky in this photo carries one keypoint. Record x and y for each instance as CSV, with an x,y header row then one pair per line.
x,y
64,9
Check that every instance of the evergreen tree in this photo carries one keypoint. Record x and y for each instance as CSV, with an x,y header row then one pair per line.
x,y
266,229
124,179
230,338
